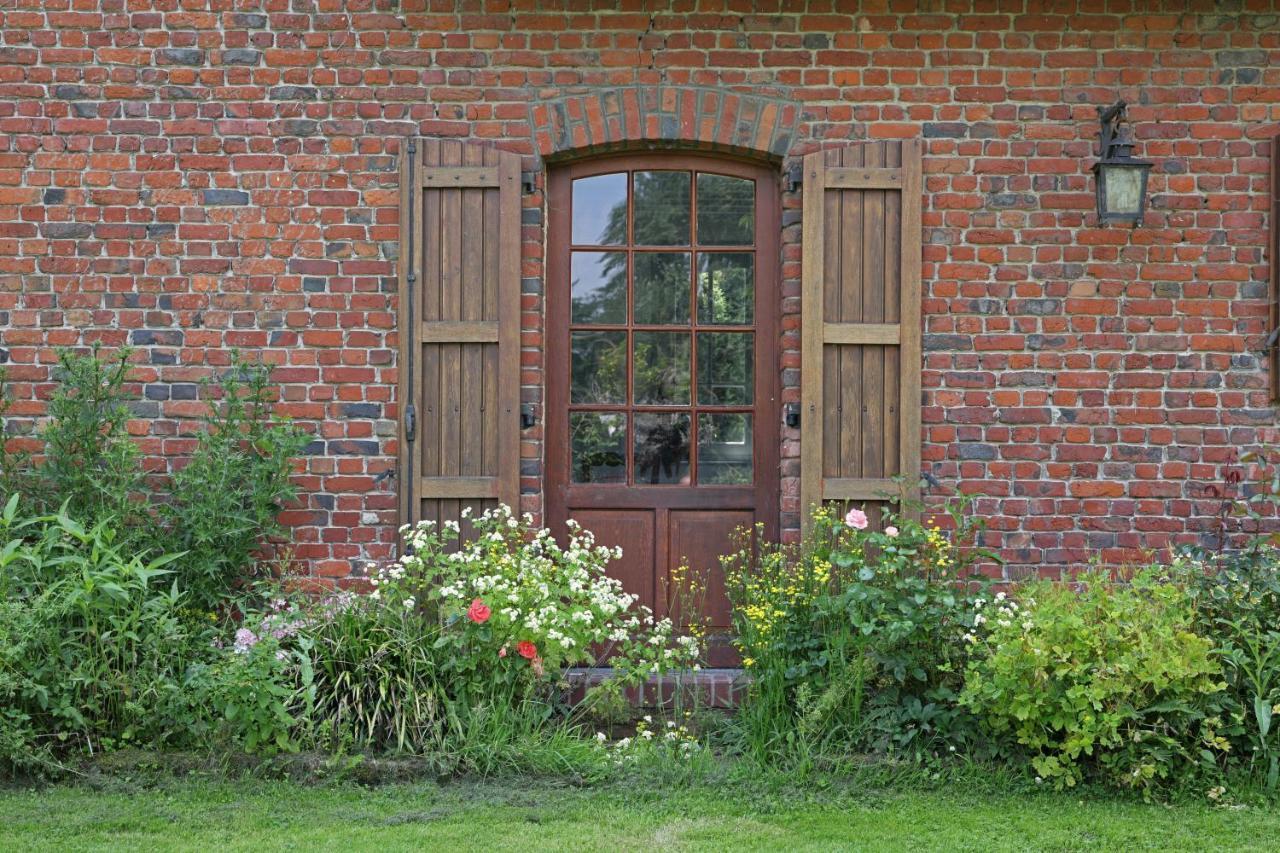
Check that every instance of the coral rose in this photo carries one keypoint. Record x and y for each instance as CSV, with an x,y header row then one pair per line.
x,y
478,612
527,649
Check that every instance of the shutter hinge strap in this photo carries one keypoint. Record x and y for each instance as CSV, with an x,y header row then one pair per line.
x,y
795,177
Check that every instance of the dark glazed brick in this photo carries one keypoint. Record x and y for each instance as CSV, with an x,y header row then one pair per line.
x,y
234,197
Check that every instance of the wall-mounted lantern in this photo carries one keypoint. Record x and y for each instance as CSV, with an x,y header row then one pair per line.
x,y
1121,179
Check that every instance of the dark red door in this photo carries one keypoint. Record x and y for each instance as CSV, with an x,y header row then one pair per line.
x,y
662,402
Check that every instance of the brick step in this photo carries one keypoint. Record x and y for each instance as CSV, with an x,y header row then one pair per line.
x,y
720,687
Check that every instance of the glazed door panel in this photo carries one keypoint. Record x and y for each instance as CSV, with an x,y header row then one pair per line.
x,y
662,401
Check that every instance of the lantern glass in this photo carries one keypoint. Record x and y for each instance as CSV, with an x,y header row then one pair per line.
x,y
1123,189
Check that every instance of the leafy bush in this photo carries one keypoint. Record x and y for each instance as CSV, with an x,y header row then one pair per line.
x,y
226,500
852,640
1237,602
93,640
1099,680
218,509
90,463
260,685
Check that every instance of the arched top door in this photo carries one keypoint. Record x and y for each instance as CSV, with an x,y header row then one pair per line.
x,y
662,401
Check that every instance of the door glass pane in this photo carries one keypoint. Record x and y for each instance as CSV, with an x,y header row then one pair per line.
x,y
661,448
662,288
598,447
599,287
726,368
661,368
726,211
599,367
726,288
724,449
600,210
661,208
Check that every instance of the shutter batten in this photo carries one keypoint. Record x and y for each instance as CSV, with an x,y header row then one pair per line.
x,y
460,330
860,317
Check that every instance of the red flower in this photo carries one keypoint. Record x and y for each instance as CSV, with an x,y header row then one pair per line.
x,y
527,649
478,612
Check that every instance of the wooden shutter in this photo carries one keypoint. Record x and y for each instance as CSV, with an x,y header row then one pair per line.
x,y
1273,260
860,337
459,329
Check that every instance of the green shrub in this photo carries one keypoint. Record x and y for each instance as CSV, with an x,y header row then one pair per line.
x,y
225,501
852,640
218,509
1099,680
90,463
1237,601
93,639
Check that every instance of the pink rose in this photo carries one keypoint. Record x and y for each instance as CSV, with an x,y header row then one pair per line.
x,y
478,612
502,652
891,531
857,519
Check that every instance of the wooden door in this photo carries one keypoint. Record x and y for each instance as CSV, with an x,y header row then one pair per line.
x,y
459,330
662,401
860,326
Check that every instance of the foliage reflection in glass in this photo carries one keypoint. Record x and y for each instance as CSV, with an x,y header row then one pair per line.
x,y
599,287
726,368
661,448
662,288
726,288
726,211
724,449
599,367
598,446
661,368
661,206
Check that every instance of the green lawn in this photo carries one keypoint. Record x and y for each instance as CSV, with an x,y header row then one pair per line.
x,y
257,815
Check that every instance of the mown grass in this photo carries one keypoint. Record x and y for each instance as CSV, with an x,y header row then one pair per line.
x,y
261,815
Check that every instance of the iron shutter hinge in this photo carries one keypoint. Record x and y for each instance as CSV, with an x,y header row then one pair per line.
x,y
410,423
795,177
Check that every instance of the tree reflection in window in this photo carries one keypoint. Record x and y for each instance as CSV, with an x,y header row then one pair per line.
x,y
640,267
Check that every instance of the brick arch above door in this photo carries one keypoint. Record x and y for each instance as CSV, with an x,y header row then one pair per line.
x,y
614,118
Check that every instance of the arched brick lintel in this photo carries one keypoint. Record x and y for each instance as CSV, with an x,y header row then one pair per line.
x,y
622,117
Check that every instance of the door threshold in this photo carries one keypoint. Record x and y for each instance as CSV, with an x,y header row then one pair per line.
x,y
711,687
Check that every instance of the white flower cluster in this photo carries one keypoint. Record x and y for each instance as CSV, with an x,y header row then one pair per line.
x,y
672,738
559,598
1002,613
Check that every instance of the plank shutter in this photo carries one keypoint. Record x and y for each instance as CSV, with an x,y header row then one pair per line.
x,y
459,329
860,315
1273,260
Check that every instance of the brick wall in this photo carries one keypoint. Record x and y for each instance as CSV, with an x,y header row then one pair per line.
x,y
193,177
